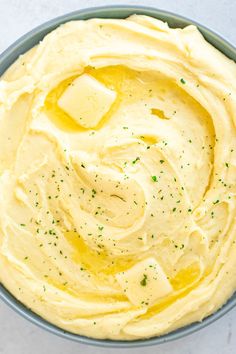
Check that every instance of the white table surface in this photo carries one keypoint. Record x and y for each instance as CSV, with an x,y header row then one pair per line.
x,y
17,336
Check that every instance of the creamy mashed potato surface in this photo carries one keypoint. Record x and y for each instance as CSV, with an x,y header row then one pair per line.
x,y
118,178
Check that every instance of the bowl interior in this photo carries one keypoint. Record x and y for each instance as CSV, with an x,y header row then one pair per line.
x,y
31,39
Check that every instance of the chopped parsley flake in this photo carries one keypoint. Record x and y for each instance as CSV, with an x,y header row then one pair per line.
x,y
134,161
217,201
143,282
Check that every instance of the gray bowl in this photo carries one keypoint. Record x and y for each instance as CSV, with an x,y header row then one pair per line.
x,y
28,41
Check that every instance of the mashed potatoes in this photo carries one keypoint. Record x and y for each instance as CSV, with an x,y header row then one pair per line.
x,y
118,179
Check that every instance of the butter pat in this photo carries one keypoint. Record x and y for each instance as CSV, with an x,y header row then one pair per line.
x,y
144,283
86,100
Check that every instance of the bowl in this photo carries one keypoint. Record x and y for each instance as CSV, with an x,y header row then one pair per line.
x,y
31,39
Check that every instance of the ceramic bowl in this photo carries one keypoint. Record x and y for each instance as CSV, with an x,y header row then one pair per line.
x,y
31,39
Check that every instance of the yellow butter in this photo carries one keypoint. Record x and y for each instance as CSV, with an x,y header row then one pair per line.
x,y
87,100
145,282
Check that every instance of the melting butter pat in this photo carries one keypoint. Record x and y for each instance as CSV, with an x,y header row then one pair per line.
x,y
145,282
86,100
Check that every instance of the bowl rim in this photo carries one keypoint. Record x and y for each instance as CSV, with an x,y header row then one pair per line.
x,y
26,42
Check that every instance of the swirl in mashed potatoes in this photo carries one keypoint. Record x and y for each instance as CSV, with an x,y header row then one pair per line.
x,y
118,179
